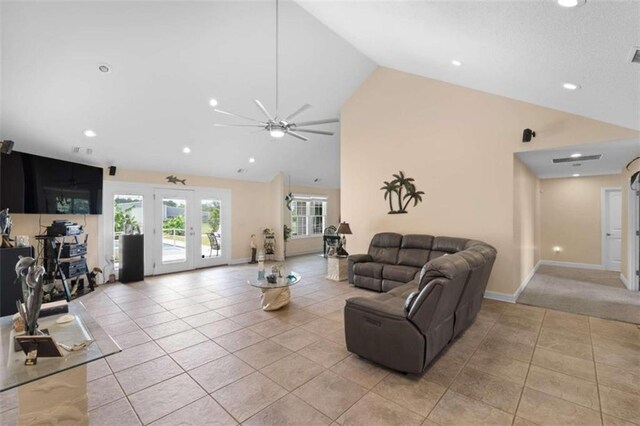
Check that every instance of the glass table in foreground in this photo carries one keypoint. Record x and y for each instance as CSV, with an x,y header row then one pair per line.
x,y
54,388
276,295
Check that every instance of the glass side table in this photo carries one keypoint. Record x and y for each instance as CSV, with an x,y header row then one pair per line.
x,y
276,295
55,389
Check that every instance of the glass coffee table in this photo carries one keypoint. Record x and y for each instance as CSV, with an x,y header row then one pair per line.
x,y
276,295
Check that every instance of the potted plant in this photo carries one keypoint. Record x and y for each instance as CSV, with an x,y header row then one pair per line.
x,y
286,234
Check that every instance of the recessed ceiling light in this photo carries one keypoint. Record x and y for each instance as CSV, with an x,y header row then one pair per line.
x,y
571,3
576,155
186,150
104,68
456,63
90,133
252,160
571,86
213,102
576,175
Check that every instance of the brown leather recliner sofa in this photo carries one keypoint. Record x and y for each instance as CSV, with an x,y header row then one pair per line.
x,y
406,326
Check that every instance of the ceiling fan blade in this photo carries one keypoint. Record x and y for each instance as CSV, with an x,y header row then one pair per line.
x,y
237,115
238,125
298,111
264,110
318,132
255,131
295,135
313,123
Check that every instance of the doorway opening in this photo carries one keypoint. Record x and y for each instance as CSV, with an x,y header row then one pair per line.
x,y
575,244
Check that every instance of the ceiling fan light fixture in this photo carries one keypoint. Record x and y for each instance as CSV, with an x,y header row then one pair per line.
x,y
276,132
213,102
571,3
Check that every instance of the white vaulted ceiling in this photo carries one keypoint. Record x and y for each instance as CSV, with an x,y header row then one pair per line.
x,y
168,60
170,57
521,49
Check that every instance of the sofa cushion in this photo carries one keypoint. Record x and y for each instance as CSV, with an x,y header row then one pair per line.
x,y
369,269
384,247
405,290
383,304
442,267
447,245
399,273
369,283
415,250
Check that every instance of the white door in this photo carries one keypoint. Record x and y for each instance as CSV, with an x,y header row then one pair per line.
x,y
612,229
174,242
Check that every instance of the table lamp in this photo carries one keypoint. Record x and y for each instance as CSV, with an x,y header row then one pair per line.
x,y
343,229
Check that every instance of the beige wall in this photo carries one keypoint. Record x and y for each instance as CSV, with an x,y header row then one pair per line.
x,y
29,224
312,244
252,204
571,217
458,144
526,220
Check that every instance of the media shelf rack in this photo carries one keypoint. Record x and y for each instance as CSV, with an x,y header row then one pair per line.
x,y
64,259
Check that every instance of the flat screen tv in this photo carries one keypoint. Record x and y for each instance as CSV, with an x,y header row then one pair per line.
x,y
33,184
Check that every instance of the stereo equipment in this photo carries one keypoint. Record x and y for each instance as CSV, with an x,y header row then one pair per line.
x,y
527,134
112,170
71,250
63,228
73,268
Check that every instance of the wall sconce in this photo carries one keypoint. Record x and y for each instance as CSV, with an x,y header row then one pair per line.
x,y
557,249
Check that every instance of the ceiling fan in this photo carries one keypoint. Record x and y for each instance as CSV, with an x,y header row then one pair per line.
x,y
276,126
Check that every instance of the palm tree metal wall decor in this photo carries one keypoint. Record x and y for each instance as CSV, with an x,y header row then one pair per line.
x,y
396,186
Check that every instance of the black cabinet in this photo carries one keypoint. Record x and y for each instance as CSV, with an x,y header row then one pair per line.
x,y
131,258
10,289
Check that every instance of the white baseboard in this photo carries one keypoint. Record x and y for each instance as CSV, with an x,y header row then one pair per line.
x,y
239,260
526,281
572,265
625,281
511,298
502,297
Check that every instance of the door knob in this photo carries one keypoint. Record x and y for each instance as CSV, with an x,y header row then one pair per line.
x,y
608,234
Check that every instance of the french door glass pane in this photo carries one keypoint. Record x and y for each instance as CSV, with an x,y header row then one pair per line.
x,y
127,212
174,213
210,239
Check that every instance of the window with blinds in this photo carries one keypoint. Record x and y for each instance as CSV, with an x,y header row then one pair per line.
x,y
308,215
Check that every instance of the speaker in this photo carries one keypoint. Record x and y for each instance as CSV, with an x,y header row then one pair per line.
x,y
131,258
527,134
112,170
6,147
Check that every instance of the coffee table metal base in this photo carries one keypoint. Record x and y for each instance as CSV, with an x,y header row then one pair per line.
x,y
275,298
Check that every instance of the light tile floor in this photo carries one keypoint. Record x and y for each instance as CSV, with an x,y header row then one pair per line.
x,y
199,350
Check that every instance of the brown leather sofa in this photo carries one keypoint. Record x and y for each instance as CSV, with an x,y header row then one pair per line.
x,y
406,326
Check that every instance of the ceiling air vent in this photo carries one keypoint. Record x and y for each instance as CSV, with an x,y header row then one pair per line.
x,y
579,159
635,55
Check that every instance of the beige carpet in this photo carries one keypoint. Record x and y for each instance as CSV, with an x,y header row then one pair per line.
x,y
596,293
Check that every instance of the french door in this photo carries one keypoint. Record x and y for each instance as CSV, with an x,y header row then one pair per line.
x,y
191,229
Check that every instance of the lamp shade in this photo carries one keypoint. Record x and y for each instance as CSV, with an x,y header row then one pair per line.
x,y
344,228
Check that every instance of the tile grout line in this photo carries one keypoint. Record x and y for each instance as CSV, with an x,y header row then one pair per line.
x,y
524,385
595,370
447,388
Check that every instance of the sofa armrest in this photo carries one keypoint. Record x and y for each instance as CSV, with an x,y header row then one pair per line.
x,y
388,307
352,260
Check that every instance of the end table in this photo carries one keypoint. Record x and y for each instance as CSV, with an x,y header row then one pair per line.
x,y
337,268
